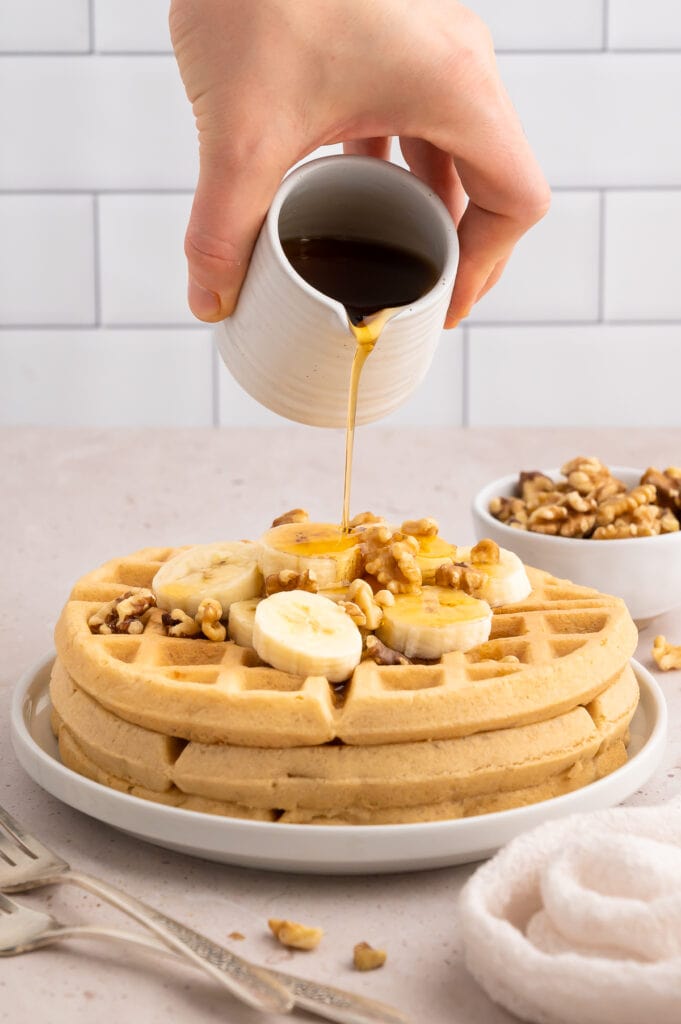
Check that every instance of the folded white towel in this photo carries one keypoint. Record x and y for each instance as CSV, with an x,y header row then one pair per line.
x,y
579,920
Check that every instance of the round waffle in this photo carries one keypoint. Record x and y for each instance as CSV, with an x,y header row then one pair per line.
x,y
565,644
421,780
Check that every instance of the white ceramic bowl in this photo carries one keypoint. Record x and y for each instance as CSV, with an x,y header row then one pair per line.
x,y
645,571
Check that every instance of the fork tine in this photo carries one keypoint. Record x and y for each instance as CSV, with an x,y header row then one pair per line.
x,y
24,861
21,838
9,851
7,906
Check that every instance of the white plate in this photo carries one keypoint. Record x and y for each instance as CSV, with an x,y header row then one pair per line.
x,y
319,849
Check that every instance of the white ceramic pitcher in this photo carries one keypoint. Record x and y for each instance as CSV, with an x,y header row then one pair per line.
x,y
287,344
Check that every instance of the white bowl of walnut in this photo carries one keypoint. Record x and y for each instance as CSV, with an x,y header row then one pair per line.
x,y
615,529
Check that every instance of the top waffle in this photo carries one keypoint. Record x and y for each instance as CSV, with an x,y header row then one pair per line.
x,y
570,643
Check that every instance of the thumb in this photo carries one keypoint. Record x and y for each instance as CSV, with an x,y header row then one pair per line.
x,y
233,195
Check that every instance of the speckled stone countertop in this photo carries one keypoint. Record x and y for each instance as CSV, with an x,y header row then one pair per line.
x,y
71,499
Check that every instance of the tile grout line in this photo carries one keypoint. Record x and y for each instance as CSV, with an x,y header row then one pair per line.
x,y
91,25
605,26
465,382
546,51
194,327
601,256
100,191
96,260
476,325
215,389
189,191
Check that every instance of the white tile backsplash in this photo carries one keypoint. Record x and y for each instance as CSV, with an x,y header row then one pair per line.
x,y
99,159
106,378
46,259
642,232
95,123
37,26
600,120
142,265
601,375
553,274
653,25
538,25
131,25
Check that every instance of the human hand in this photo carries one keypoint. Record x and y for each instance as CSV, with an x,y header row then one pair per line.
x,y
271,80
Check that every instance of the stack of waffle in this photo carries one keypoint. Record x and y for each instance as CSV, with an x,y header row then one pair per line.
x,y
543,707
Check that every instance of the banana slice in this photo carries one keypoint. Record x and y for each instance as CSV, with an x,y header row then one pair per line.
x,y
437,620
306,635
227,572
505,581
322,548
434,552
241,620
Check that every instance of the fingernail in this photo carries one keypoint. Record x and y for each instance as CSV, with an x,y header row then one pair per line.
x,y
204,304
455,321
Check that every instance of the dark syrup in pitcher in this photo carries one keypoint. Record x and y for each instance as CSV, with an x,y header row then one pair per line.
x,y
372,280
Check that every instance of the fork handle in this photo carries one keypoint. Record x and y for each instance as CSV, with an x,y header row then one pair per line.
x,y
252,985
324,1000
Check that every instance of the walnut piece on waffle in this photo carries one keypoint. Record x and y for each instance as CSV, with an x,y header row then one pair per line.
x,y
206,623
427,527
208,618
390,556
665,654
485,552
384,655
289,579
124,614
295,935
366,958
178,623
459,576
294,515
363,606
363,519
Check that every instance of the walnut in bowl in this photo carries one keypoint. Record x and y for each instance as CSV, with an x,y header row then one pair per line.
x,y
643,566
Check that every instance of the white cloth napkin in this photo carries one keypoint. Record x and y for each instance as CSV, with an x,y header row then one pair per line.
x,y
579,920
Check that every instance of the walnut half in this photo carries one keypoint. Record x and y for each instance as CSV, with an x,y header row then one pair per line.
x,y
289,579
294,515
208,617
178,623
123,614
391,558
384,655
364,608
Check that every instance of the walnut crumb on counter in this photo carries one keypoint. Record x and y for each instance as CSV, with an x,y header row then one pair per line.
x,y
295,935
665,654
366,958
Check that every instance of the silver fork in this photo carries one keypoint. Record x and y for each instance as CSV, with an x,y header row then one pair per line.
x,y
25,863
23,929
